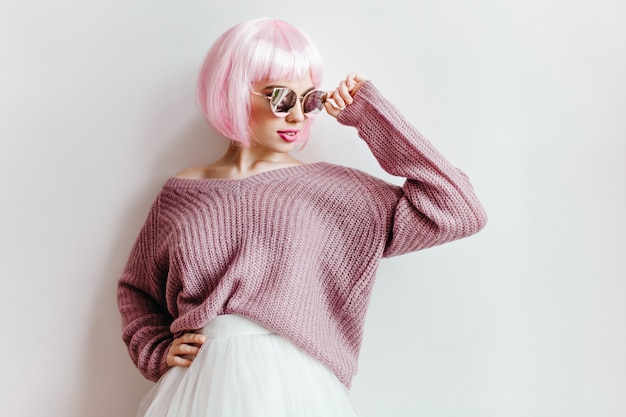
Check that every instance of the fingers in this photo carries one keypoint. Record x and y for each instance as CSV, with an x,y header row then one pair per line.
x,y
354,81
178,361
342,96
331,108
184,349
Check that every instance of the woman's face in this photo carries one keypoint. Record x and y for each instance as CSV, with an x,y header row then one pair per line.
x,y
277,134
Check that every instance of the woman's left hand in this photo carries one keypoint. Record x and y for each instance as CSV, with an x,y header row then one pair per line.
x,y
339,98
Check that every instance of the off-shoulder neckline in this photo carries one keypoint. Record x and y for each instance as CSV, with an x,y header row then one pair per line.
x,y
261,177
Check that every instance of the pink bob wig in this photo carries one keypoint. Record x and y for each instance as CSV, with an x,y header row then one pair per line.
x,y
250,52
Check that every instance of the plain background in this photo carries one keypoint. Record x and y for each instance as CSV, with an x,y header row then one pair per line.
x,y
525,319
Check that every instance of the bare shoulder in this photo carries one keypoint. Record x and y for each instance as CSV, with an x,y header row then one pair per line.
x,y
224,169
193,173
215,170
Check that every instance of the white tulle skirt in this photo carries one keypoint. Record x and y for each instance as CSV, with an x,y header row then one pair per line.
x,y
245,370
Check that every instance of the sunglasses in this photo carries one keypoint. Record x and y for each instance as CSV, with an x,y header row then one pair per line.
x,y
283,100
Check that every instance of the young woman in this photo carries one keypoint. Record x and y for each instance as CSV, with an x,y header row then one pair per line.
x,y
246,291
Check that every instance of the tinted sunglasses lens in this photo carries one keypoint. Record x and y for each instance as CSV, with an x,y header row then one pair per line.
x,y
282,101
313,102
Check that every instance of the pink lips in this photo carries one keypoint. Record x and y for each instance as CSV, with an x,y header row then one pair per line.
x,y
288,135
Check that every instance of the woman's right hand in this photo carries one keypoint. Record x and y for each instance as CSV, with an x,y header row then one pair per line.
x,y
339,98
184,349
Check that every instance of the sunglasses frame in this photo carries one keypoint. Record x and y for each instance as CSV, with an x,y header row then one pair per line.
x,y
283,92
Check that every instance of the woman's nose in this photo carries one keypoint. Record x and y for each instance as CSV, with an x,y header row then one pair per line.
x,y
296,114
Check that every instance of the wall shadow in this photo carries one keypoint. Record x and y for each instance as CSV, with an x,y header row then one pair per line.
x,y
112,386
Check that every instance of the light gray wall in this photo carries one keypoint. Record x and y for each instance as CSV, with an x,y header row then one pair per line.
x,y
528,97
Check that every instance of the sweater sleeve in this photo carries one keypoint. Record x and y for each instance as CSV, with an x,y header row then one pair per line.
x,y
437,203
141,300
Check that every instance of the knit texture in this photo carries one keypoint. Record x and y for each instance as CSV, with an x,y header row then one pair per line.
x,y
295,249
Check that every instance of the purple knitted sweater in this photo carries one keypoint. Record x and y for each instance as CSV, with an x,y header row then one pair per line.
x,y
295,249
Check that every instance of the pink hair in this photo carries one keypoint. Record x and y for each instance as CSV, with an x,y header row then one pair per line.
x,y
251,52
